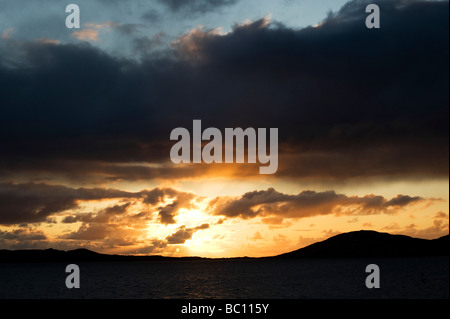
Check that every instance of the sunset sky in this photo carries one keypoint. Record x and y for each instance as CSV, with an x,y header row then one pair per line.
x,y
86,116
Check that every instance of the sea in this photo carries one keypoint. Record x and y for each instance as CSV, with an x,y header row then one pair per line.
x,y
411,278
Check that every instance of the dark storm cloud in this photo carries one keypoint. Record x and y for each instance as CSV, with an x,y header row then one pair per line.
x,y
34,203
168,212
306,204
348,101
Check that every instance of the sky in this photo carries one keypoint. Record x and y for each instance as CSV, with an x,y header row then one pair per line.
x,y
86,115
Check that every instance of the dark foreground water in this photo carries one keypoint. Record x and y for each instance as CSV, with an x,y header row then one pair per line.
x,y
231,279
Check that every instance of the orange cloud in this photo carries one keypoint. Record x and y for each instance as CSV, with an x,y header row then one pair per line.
x,y
47,41
307,203
6,34
86,35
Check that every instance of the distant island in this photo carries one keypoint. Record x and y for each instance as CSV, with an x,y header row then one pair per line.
x,y
369,243
356,244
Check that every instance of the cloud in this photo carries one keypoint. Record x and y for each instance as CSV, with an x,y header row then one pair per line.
x,y
7,33
349,102
190,7
86,35
183,234
92,29
22,234
402,200
441,215
151,16
124,223
92,232
99,26
48,41
190,46
23,238
168,212
438,228
153,247
121,224
34,203
102,216
124,28
257,236
306,204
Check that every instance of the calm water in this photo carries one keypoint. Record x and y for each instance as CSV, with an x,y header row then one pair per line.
x,y
341,278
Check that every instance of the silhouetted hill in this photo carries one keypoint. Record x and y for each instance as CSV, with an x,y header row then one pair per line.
x,y
365,243
352,245
48,255
77,255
